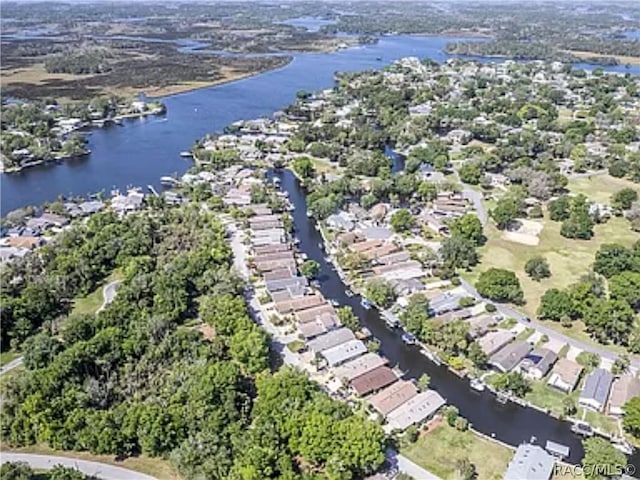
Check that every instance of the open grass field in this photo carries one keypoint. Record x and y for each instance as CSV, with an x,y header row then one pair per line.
x,y
568,259
156,467
599,188
439,449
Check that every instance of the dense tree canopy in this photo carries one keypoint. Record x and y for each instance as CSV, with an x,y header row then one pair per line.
x,y
500,285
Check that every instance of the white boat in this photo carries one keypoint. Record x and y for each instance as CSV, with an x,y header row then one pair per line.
x,y
169,181
186,154
623,446
477,384
582,428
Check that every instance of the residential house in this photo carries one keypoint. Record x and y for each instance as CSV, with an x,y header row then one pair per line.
x,y
344,352
565,375
508,357
340,221
414,411
537,363
494,341
359,366
297,304
530,462
330,339
624,389
595,390
373,380
392,397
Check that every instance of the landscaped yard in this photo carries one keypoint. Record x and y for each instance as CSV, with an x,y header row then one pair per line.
x,y
156,467
439,449
546,397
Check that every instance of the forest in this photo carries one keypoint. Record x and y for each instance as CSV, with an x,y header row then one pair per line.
x,y
139,377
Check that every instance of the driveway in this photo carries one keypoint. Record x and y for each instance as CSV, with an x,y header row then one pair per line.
x,y
109,293
476,198
100,470
403,464
11,365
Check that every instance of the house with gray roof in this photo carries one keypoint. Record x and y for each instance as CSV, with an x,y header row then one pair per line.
x,y
508,357
414,411
530,462
595,390
537,363
494,341
330,340
359,366
344,352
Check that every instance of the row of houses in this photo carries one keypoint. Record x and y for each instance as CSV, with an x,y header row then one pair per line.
x,y
333,348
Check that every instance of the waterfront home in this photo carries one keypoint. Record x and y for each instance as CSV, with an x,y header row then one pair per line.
x,y
130,202
9,253
414,411
381,251
509,356
318,326
267,249
624,388
330,339
537,363
266,224
595,390
373,381
445,302
565,375
362,247
311,314
269,257
298,283
54,219
359,366
344,352
23,242
297,304
377,233
479,325
399,271
407,286
275,264
392,258
348,238
530,462
494,341
340,221
392,397
279,274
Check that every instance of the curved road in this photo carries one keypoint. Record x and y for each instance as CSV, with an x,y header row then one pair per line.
x,y
100,470
11,365
109,293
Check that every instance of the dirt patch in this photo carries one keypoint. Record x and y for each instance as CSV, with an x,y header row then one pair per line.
x,y
526,232
207,331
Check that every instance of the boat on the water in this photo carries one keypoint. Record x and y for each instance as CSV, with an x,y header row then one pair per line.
x,y
169,181
348,293
477,385
409,339
582,428
366,303
623,446
334,302
186,154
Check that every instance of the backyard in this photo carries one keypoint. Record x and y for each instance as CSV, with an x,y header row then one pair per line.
x,y
439,449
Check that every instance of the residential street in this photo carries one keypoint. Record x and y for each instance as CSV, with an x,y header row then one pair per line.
x,y
100,470
550,332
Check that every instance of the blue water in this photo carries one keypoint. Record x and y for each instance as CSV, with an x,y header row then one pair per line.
x,y
145,149
311,24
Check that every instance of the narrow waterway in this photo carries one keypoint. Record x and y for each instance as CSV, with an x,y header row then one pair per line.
x,y
509,423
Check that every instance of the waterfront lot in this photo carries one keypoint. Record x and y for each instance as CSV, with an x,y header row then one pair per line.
x,y
440,449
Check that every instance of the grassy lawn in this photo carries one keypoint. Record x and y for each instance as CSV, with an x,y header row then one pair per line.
x,y
92,302
6,357
545,397
156,467
295,346
599,188
438,450
568,259
600,421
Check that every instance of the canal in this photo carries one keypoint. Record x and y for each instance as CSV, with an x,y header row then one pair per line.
x,y
509,423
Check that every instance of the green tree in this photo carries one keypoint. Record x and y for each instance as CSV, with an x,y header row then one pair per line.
x,y
537,268
466,470
626,286
555,305
310,268
402,220
623,199
458,252
631,419
599,454
513,382
380,293
348,318
423,382
303,166
469,227
470,172
416,316
579,224
505,212
500,285
588,360
559,208
612,259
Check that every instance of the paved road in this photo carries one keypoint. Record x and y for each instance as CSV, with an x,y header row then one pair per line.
x,y
100,470
550,332
11,365
476,199
109,293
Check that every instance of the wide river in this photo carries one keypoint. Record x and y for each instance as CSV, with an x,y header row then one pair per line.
x,y
143,150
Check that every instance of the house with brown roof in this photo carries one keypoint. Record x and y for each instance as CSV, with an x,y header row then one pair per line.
x,y
23,242
390,398
310,314
373,380
624,388
297,304
361,247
